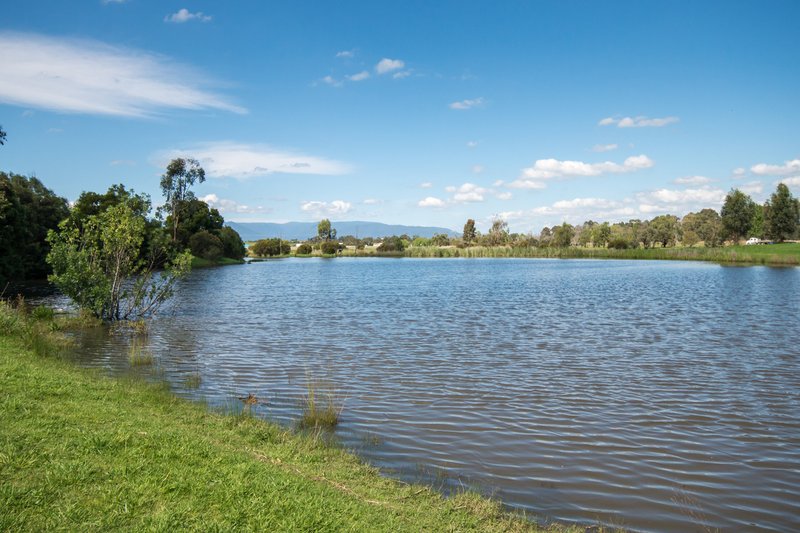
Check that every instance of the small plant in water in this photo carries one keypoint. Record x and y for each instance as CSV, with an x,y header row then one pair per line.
x,y
321,407
192,381
138,355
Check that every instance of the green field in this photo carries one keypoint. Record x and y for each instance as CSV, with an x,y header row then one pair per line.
x,y
82,452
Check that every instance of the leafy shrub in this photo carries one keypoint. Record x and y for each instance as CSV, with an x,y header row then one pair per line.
x,y
270,247
232,244
392,244
304,249
618,243
329,248
206,245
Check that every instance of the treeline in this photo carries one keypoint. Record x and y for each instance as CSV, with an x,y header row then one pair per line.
x,y
29,211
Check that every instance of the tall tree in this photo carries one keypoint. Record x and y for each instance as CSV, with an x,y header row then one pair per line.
x,y
737,214
176,183
2,136
28,210
781,214
325,231
498,234
469,234
562,235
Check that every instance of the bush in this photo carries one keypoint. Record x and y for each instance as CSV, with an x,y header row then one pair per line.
x,y
392,244
329,248
232,244
618,243
206,245
270,247
304,249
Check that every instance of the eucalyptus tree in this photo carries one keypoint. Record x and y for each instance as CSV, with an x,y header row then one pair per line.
x,y
469,235
176,185
781,214
2,136
737,214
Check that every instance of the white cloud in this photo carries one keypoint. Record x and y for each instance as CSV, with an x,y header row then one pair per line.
x,y
638,122
231,206
463,105
692,180
431,201
739,172
346,53
604,147
477,169
426,185
401,75
472,144
753,187
183,15
363,75
791,182
330,80
322,209
786,169
546,169
237,160
504,195
387,65
372,201
471,193
82,76
679,201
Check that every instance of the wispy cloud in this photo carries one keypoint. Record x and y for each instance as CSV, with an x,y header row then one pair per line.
x,y
81,76
753,187
122,163
231,206
426,185
363,75
638,122
786,169
184,15
237,160
431,201
386,65
347,54
692,180
679,201
326,209
472,144
545,169
330,80
604,147
463,105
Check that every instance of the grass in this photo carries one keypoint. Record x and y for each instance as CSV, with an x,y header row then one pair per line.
x,y
322,407
786,254
199,262
80,451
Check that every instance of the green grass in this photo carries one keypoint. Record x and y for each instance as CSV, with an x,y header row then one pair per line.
x,y
199,262
322,407
82,452
787,254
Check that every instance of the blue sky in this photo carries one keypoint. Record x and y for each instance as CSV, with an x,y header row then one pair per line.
x,y
413,112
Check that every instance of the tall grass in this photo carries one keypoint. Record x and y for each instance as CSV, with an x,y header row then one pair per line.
x,y
322,406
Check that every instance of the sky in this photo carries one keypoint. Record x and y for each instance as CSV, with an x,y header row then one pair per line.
x,y
412,112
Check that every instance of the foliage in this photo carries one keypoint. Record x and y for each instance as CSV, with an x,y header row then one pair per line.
x,y
601,233
28,210
194,215
545,237
618,243
737,214
705,226
498,233
100,268
206,245
2,136
470,233
665,229
781,214
329,248
304,249
176,182
324,230
232,244
440,239
757,224
562,235
392,244
270,247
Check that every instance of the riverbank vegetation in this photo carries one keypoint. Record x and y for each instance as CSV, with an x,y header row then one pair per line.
x,y
80,451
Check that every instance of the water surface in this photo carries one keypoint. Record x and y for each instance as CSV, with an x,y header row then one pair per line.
x,y
658,396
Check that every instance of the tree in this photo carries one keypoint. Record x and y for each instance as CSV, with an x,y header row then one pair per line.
x,y
232,244
392,244
665,229
181,174
706,226
545,236
195,215
601,233
100,268
324,230
781,213
469,234
270,247
440,239
757,224
498,234
28,210
737,214
562,235
2,136
206,245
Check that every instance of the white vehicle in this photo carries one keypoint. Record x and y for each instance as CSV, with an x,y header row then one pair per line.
x,y
753,240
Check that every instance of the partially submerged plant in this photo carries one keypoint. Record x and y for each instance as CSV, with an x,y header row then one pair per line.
x,y
322,407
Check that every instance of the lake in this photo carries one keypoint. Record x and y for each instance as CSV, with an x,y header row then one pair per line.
x,y
657,396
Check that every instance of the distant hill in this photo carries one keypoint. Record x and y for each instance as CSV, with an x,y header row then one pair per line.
x,y
252,231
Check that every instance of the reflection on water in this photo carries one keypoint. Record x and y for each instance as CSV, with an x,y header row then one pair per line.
x,y
653,395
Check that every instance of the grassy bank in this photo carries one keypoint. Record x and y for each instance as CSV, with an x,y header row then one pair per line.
x,y
79,451
199,262
787,254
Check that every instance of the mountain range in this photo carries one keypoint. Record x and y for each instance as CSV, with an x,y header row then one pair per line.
x,y
252,231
